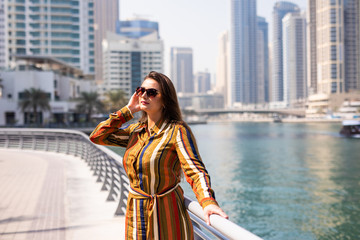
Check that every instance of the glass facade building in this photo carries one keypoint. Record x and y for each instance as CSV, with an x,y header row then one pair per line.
x,y
243,49
57,28
136,28
262,60
181,60
280,10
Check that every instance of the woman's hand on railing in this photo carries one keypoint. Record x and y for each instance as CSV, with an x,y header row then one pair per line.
x,y
213,209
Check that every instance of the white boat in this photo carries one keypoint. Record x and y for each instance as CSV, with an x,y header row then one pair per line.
x,y
350,128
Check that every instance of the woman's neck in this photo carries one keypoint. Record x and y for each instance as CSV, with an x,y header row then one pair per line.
x,y
152,119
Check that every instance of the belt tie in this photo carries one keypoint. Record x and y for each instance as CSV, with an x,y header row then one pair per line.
x,y
152,208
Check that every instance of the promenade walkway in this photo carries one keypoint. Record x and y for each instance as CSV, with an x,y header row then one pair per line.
x,y
46,195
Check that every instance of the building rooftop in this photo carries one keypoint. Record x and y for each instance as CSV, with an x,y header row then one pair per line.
x,y
50,63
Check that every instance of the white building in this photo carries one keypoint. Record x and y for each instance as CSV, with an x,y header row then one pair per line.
x,y
60,29
61,82
294,56
126,61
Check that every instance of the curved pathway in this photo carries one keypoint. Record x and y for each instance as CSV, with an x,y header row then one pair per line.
x,y
53,196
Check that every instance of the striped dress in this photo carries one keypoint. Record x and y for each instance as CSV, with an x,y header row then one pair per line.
x,y
153,162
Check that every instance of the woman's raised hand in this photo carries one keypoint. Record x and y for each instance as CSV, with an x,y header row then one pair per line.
x,y
134,104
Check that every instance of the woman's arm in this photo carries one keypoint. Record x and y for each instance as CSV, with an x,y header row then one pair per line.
x,y
196,173
109,132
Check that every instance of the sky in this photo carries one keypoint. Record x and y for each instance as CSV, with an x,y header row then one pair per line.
x,y
192,23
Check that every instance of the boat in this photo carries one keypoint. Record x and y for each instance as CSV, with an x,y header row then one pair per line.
x,y
350,128
277,119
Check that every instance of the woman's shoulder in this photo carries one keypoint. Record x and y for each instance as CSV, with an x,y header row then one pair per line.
x,y
136,126
180,125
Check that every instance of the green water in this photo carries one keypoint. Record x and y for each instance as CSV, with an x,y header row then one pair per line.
x,y
283,180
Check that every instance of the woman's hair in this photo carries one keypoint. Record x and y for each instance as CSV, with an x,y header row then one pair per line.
x,y
171,109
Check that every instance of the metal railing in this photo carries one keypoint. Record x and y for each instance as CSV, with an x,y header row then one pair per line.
x,y
107,167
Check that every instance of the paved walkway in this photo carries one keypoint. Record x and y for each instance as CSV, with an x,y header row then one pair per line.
x,y
53,196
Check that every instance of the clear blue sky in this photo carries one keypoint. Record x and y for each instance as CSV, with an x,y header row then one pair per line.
x,y
192,23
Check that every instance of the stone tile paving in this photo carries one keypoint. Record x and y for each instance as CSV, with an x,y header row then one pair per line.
x,y
53,196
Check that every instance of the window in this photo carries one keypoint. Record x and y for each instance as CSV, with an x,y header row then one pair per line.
x,y
333,16
333,71
333,87
333,53
333,34
333,2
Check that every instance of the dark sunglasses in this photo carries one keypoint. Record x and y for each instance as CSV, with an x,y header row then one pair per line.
x,y
150,92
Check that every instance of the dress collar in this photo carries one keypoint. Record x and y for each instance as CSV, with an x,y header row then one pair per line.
x,y
159,125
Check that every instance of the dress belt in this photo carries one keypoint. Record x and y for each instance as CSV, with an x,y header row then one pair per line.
x,y
152,208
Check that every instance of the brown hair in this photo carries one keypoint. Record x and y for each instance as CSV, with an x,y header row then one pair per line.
x,y
171,109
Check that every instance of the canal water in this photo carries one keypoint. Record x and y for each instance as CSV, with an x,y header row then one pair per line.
x,y
284,180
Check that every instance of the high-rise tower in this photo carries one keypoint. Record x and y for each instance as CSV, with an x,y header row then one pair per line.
x,y
243,49
181,60
106,16
281,8
294,56
223,68
262,61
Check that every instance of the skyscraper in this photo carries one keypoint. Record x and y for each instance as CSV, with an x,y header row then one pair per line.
x,y
243,50
223,68
338,71
262,61
60,29
351,44
181,60
281,8
337,47
294,56
311,48
202,82
106,16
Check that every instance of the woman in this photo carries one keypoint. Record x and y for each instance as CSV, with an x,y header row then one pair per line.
x,y
158,148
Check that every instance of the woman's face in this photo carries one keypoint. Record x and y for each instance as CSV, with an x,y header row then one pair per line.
x,y
150,104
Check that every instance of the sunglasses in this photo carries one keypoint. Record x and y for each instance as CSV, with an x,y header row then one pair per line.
x,y
150,92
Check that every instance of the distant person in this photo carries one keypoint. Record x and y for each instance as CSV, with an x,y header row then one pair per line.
x,y
158,148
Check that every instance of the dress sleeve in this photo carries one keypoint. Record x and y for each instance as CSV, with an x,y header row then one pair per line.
x,y
109,132
193,167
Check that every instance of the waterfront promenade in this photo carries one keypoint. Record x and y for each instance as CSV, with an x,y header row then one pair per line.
x,y
48,195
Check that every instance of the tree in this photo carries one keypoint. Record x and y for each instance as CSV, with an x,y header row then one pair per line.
x,y
115,100
34,99
89,103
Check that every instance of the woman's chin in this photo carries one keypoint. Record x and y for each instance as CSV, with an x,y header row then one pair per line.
x,y
143,107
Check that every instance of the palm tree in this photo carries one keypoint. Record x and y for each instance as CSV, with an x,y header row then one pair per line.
x,y
35,99
115,100
89,103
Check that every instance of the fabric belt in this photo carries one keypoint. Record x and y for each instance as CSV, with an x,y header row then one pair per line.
x,y
152,208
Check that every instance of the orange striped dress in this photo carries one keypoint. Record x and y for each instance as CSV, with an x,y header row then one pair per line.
x,y
153,162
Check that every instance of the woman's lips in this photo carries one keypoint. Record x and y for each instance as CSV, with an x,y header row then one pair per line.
x,y
144,103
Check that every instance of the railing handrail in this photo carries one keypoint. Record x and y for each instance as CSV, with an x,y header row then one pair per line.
x,y
220,228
